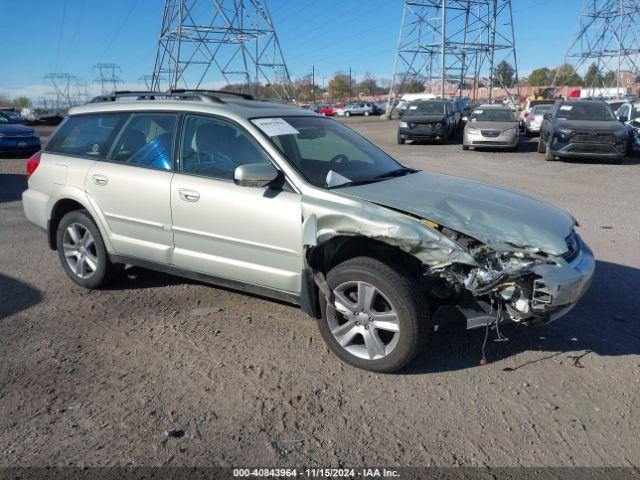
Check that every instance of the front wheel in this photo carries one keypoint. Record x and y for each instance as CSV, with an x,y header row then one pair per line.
x,y
379,319
347,114
400,140
548,156
541,147
82,252
366,114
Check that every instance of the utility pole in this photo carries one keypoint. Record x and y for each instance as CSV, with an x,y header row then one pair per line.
x,y
313,82
232,41
449,43
607,38
350,89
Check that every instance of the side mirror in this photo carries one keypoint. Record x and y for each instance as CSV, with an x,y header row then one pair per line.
x,y
255,174
547,116
623,118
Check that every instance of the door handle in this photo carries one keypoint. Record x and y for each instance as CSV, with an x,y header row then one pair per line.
x,y
100,180
189,195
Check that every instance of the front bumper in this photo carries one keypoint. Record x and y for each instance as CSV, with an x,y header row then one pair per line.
x,y
504,140
588,150
559,288
420,134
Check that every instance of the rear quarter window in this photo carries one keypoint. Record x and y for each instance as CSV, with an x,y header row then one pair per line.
x,y
87,135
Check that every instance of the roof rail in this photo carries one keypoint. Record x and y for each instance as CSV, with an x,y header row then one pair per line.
x,y
211,93
212,96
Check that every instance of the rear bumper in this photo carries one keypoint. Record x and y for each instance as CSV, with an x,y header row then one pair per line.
x,y
35,207
19,145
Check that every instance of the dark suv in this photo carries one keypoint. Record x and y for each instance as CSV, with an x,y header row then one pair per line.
x,y
428,120
583,128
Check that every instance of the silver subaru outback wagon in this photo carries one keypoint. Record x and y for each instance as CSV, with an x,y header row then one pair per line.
x,y
281,202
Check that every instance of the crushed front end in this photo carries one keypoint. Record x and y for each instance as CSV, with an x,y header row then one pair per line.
x,y
522,285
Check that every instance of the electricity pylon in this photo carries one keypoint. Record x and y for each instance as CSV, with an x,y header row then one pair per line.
x,y
449,46
606,50
107,77
61,83
228,42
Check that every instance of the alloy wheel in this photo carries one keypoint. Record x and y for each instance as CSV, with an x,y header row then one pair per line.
x,y
365,323
80,252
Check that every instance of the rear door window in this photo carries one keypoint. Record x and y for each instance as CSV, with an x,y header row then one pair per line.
x,y
87,135
146,141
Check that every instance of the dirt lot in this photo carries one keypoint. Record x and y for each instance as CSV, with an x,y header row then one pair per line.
x,y
162,371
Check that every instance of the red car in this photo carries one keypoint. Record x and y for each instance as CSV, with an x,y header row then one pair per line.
x,y
324,109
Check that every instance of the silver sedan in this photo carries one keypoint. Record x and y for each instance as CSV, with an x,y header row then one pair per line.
x,y
491,126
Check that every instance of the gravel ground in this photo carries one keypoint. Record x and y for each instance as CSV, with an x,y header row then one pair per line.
x,y
158,370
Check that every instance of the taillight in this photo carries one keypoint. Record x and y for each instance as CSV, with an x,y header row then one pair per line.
x,y
33,163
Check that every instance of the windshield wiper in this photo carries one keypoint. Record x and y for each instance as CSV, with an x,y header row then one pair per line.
x,y
396,173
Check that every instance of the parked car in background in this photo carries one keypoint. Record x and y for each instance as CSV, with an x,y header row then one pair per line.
x,y
16,138
14,115
358,108
464,105
321,108
427,120
629,115
533,122
491,126
284,203
615,104
524,113
325,109
583,128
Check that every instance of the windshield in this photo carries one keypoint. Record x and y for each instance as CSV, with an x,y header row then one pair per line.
x,y
426,108
492,115
541,109
328,154
586,111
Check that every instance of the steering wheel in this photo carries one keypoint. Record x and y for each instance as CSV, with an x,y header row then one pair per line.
x,y
338,160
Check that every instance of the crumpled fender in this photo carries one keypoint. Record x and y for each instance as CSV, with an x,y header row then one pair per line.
x,y
321,222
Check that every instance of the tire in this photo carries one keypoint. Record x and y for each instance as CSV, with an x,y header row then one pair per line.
x,y
386,351
541,147
366,114
465,147
400,140
347,114
548,156
90,247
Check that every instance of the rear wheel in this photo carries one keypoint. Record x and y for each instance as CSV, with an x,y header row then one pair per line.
x,y
82,252
380,320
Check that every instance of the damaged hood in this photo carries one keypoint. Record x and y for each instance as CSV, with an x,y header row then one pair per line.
x,y
498,217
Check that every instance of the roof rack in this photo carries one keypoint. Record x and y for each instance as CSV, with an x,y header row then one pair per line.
x,y
211,96
213,93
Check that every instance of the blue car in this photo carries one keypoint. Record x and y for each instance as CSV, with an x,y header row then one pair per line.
x,y
16,138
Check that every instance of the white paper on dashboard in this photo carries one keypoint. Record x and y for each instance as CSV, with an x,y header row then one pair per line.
x,y
334,179
275,127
